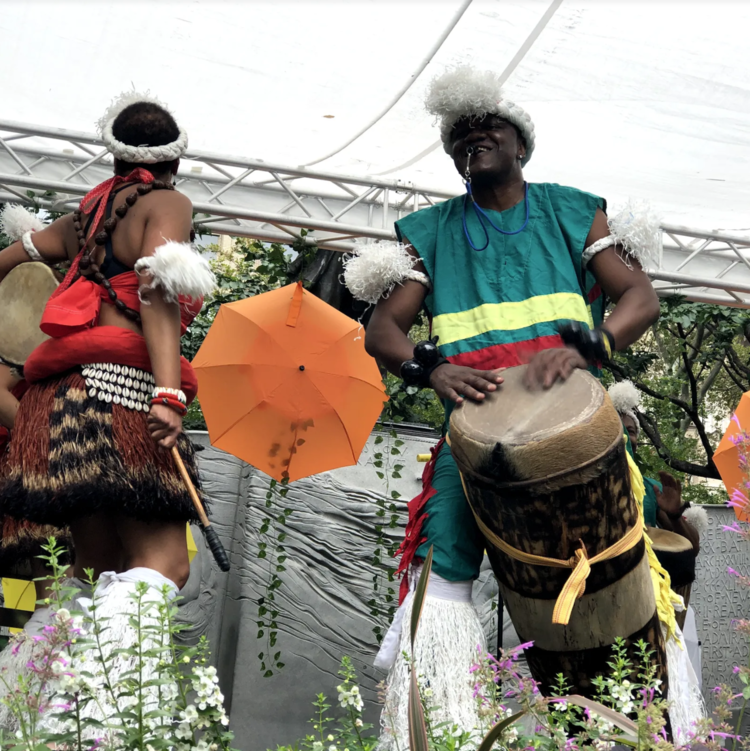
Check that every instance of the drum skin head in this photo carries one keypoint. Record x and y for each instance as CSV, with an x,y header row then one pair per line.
x,y
668,542
23,294
529,435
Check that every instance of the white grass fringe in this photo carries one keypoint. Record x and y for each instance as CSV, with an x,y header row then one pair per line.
x,y
698,519
16,221
376,267
446,648
177,269
115,608
13,666
686,703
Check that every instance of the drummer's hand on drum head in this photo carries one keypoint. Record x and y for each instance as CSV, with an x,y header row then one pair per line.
x,y
551,365
165,425
456,382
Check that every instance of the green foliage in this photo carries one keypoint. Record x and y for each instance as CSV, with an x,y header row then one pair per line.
x,y
87,689
251,268
691,368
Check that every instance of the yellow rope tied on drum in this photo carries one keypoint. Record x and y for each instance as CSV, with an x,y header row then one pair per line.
x,y
581,564
660,579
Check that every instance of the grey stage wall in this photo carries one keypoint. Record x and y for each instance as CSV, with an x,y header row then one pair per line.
x,y
328,582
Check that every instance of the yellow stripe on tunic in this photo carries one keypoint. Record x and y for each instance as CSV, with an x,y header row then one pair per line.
x,y
511,316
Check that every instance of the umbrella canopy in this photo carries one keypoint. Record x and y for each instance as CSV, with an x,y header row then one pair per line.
x,y
731,462
286,384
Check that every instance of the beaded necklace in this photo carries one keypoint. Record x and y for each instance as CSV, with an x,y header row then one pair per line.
x,y
482,214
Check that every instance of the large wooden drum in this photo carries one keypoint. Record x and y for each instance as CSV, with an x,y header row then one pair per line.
x,y
676,555
543,473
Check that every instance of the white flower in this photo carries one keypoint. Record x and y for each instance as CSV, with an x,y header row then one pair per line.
x,y
63,614
317,746
332,748
184,731
358,723
330,737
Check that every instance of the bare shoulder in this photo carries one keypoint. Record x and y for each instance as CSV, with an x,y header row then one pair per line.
x,y
171,200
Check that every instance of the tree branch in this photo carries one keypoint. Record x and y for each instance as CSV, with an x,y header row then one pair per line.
x,y
735,379
690,468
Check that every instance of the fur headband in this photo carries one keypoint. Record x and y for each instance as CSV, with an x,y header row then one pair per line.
x,y
464,91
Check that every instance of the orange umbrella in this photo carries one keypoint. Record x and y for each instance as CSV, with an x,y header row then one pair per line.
x,y
286,384
730,462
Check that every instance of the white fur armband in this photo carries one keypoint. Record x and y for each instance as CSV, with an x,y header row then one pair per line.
x,y
15,222
376,267
697,517
178,269
636,228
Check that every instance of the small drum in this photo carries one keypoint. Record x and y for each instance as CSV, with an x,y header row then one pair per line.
x,y
23,294
676,555
543,473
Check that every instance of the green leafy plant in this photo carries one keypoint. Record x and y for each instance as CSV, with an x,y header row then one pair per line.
x,y
271,549
86,689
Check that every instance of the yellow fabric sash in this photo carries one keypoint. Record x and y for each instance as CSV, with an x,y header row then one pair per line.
x,y
660,579
581,564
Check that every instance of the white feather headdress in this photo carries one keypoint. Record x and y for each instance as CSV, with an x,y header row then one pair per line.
x,y
626,399
138,154
16,221
464,91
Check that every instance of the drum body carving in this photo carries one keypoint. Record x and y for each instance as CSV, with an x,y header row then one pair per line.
x,y
544,472
23,294
676,555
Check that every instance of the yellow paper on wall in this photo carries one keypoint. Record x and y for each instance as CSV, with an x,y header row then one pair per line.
x,y
191,546
19,595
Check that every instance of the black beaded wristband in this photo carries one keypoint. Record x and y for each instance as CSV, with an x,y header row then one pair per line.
x,y
594,346
427,357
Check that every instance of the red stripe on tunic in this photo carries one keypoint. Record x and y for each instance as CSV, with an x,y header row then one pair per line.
x,y
595,293
506,355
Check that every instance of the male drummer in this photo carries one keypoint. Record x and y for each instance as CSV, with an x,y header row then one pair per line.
x,y
498,270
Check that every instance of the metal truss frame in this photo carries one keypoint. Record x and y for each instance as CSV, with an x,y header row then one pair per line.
x,y
252,198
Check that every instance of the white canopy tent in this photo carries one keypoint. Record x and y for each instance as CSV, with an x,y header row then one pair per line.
x,y
650,100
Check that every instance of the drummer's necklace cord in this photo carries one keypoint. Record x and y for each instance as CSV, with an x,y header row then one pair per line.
x,y
482,214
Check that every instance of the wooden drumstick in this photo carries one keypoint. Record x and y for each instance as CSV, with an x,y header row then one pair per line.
x,y
220,555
